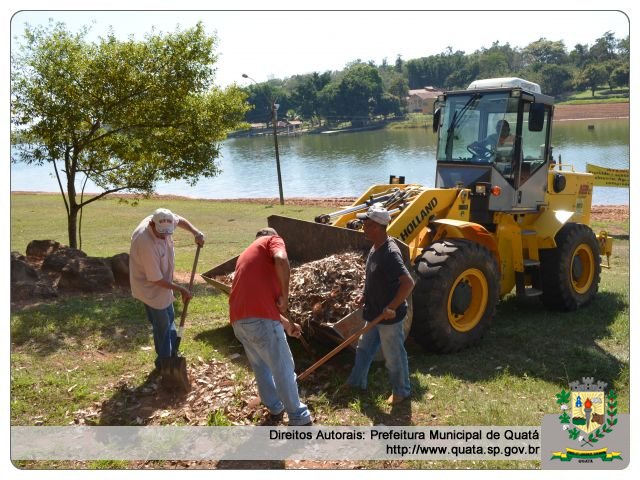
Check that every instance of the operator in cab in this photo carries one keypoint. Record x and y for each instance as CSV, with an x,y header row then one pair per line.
x,y
500,140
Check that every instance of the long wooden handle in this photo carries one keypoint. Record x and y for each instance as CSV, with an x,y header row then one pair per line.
x,y
340,347
183,317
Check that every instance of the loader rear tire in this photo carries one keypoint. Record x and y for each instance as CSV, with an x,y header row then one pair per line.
x,y
455,296
571,271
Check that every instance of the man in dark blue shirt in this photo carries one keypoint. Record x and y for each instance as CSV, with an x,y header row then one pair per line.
x,y
387,286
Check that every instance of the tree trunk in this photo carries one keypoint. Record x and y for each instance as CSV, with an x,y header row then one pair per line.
x,y
72,225
74,208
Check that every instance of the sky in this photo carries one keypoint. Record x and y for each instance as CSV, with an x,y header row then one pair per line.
x,y
268,44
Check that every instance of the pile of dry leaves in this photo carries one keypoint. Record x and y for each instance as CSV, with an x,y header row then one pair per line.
x,y
325,290
216,397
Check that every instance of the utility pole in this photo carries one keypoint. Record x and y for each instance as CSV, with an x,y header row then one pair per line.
x,y
274,121
274,117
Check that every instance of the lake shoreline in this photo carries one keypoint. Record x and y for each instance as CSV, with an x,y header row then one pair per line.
x,y
599,212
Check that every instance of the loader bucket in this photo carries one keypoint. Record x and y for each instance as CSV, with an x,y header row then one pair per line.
x,y
306,242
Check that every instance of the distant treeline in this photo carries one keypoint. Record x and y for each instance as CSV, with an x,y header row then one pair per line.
x,y
363,90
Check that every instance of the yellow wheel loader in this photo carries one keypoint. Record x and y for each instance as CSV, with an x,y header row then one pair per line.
x,y
503,215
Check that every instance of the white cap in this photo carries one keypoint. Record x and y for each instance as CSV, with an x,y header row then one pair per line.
x,y
164,220
377,213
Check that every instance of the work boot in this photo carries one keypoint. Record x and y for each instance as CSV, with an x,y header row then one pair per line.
x,y
276,417
396,399
272,419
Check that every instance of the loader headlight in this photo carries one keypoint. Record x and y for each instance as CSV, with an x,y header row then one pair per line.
x,y
481,189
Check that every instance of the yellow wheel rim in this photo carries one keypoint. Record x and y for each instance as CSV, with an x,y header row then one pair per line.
x,y
582,268
466,317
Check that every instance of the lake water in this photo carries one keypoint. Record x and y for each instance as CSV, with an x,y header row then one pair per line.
x,y
337,165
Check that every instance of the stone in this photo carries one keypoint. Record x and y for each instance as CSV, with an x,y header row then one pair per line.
x,y
120,269
56,261
22,291
29,290
21,271
87,274
42,248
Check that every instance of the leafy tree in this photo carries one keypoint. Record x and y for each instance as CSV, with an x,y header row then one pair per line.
x,y
305,97
387,105
554,79
328,102
498,60
398,87
579,56
493,64
463,77
399,65
545,52
609,67
604,49
281,94
358,92
623,48
123,114
434,70
260,97
591,76
619,77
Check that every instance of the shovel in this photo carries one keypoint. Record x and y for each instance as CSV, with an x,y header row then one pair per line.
x,y
340,347
174,369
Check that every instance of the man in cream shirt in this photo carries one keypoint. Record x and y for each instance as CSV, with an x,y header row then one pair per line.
x,y
151,265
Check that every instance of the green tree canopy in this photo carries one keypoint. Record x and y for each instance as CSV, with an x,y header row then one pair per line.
x,y
260,96
358,92
604,49
306,94
123,114
591,76
553,79
620,75
545,52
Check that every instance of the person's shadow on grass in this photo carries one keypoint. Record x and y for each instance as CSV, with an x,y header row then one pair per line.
x,y
136,405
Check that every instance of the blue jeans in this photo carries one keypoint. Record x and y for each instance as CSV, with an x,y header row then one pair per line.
x,y
164,331
391,339
265,344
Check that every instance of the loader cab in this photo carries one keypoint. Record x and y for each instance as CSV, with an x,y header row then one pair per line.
x,y
494,138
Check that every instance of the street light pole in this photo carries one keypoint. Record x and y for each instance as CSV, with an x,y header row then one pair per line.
x,y
274,121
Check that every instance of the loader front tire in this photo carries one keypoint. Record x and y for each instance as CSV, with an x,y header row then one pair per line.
x,y
571,271
455,296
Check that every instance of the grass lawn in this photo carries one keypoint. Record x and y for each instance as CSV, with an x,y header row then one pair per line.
x,y
107,224
602,95
67,355
413,120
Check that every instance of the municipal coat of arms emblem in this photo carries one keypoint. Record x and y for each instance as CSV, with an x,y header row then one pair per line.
x,y
588,414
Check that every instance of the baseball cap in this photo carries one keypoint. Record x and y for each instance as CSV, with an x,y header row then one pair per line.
x,y
377,213
164,220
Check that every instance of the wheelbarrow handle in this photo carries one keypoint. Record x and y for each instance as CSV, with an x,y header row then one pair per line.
x,y
340,347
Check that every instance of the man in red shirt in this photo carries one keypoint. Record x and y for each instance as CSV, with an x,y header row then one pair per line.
x,y
259,295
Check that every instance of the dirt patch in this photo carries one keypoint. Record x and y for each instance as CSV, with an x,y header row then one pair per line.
x,y
591,111
609,213
217,397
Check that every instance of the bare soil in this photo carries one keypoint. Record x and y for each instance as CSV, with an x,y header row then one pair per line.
x,y
591,111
